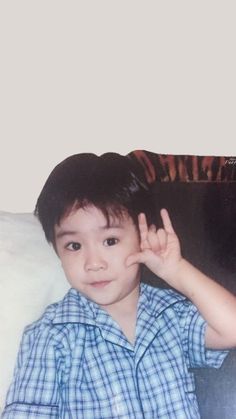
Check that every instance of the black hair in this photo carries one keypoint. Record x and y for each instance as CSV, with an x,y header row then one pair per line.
x,y
110,182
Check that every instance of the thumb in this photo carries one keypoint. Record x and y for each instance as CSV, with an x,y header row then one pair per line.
x,y
134,258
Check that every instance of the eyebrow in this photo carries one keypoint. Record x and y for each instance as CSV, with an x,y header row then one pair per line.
x,y
64,233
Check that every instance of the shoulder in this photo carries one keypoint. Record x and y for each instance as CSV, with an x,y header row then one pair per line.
x,y
169,303
47,342
160,299
47,316
62,323
45,324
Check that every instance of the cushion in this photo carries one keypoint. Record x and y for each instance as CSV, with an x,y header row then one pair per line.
x,y
30,278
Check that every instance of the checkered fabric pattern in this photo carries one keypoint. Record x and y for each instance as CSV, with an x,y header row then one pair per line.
x,y
75,362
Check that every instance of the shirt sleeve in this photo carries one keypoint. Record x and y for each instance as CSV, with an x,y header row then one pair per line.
x,y
193,329
34,392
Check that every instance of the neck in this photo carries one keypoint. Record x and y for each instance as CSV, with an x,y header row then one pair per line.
x,y
124,313
125,306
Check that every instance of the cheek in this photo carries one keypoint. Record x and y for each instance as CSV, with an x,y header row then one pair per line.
x,y
74,276
70,267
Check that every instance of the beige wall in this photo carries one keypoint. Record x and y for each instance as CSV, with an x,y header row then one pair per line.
x,y
111,76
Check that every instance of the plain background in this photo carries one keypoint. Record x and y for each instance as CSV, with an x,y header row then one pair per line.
x,y
101,76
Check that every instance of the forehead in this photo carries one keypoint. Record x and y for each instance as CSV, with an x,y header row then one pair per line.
x,y
90,218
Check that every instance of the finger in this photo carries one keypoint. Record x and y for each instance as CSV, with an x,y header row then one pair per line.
x,y
154,241
152,228
143,229
133,259
166,221
162,238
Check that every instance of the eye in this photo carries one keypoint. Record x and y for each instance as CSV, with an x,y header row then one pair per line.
x,y
73,246
111,241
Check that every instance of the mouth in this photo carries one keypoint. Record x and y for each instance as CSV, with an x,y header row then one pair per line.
x,y
100,284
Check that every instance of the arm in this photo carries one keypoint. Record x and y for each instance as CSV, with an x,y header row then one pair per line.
x,y
34,390
160,252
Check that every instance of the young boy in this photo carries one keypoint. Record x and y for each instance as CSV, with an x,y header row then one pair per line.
x,y
115,347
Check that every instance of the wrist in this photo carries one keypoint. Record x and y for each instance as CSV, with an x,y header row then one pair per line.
x,y
179,276
187,276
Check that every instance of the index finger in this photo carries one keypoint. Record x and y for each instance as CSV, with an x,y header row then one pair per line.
x,y
166,221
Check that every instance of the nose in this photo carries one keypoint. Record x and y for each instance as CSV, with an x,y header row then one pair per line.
x,y
94,261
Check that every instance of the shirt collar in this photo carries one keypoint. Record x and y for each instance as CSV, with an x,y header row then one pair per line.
x,y
76,308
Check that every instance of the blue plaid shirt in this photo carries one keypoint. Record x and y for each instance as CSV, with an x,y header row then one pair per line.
x,y
76,363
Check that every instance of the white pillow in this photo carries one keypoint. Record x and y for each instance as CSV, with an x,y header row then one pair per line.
x,y
31,277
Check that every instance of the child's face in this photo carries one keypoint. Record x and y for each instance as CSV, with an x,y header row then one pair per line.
x,y
94,255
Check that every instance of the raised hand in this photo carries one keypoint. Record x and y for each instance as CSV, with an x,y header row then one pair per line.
x,y
159,249
160,252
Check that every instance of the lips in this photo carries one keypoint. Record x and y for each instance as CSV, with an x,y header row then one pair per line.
x,y
100,284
